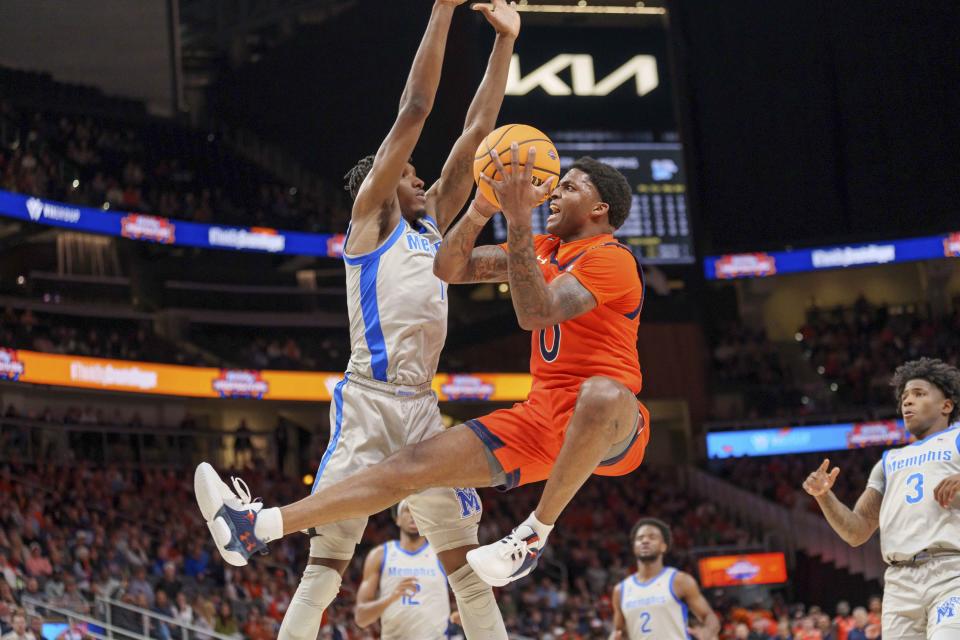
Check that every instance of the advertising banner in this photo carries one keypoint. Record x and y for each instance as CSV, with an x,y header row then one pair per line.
x,y
157,229
760,265
751,568
825,437
208,382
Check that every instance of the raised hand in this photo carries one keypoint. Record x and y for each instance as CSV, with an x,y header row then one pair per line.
x,y
406,588
517,193
503,17
947,490
820,482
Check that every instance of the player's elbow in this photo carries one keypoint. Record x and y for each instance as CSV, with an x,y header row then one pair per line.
x,y
530,323
415,108
447,272
361,618
442,270
475,130
858,539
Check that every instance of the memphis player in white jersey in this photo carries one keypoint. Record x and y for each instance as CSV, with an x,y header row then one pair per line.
x,y
653,603
398,318
913,496
404,586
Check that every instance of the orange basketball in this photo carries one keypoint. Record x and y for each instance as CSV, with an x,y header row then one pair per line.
x,y
548,160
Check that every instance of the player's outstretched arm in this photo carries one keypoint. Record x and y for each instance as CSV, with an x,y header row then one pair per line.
x,y
446,197
415,104
619,622
369,607
854,526
537,304
459,261
688,590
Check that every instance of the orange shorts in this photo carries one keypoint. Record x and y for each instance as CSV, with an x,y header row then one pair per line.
x,y
526,438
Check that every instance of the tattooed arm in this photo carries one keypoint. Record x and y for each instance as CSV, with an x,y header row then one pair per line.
x,y
855,525
458,261
538,304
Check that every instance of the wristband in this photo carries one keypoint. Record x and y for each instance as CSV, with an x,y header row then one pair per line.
x,y
476,217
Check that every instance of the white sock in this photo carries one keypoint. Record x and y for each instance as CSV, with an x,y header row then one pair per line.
x,y
479,615
269,525
317,589
542,530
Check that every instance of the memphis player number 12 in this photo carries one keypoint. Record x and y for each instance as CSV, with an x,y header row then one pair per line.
x,y
409,600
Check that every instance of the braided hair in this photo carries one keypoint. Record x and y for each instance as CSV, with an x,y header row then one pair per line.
x,y
355,177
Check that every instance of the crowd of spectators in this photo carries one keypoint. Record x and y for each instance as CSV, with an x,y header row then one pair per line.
x,y
83,336
780,478
150,167
851,353
72,533
858,348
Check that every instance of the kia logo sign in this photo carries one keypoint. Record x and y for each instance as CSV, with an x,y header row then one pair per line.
x,y
641,68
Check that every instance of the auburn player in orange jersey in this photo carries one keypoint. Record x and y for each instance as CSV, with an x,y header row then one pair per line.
x,y
580,292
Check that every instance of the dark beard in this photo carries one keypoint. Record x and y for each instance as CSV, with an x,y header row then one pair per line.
x,y
648,559
416,216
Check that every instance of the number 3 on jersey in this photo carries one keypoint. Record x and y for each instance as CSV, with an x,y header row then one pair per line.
x,y
549,355
917,481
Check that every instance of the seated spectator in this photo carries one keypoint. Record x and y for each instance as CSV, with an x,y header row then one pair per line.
x,y
19,630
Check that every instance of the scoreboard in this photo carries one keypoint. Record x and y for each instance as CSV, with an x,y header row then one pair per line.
x,y
658,226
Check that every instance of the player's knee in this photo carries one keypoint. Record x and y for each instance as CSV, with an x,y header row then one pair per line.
x,y
340,566
602,396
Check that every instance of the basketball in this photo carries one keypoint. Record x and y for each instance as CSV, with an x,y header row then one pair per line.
x,y
547,158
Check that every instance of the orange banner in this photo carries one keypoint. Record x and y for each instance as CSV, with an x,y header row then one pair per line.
x,y
204,382
752,568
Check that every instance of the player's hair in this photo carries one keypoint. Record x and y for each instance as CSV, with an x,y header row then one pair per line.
x,y
612,186
355,177
937,372
395,510
655,522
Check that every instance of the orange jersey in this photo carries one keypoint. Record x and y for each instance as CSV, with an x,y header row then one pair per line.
x,y
603,341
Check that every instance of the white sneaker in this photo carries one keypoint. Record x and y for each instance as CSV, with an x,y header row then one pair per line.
x,y
510,558
231,515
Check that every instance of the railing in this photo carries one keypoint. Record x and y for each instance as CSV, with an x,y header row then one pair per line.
x,y
109,630
164,627
801,530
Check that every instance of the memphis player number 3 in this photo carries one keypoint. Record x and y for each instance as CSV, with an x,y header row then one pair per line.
x,y
916,480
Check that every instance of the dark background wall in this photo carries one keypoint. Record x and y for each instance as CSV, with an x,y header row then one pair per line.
x,y
815,120
805,122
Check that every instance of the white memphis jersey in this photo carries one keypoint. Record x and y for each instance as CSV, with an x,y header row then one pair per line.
x,y
911,520
424,615
652,609
397,307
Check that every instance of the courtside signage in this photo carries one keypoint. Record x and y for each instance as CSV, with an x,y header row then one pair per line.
x,y
751,568
32,367
761,265
170,231
826,437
